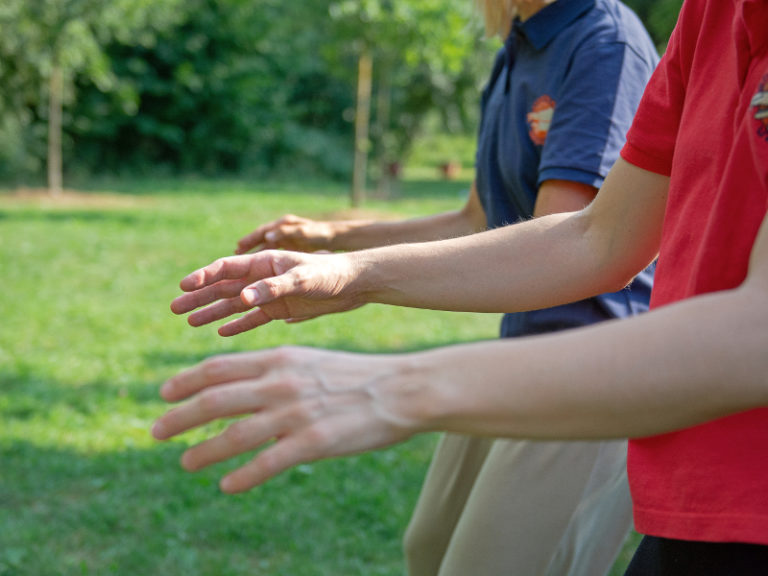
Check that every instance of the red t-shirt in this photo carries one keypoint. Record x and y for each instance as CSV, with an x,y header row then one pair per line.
x,y
703,121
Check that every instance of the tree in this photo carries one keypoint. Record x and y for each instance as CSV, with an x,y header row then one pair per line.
x,y
238,85
427,41
659,16
55,40
234,86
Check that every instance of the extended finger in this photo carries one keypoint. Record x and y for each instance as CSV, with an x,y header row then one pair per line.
x,y
242,436
294,282
335,436
261,236
210,404
283,234
252,240
203,296
253,319
229,268
287,452
217,311
216,371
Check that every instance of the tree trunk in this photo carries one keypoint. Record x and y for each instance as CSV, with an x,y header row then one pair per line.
x,y
362,120
386,163
54,131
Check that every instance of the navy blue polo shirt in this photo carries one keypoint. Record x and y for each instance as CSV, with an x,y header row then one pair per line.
x,y
560,100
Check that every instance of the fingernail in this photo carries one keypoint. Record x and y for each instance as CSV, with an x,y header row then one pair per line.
x,y
165,389
226,484
270,236
158,431
251,296
187,462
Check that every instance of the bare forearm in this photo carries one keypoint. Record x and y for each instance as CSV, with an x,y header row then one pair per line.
x,y
669,369
539,263
361,234
495,271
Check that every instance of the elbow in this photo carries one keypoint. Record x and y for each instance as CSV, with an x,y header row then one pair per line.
x,y
623,278
614,264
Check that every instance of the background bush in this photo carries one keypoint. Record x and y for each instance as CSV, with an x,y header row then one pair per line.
x,y
237,86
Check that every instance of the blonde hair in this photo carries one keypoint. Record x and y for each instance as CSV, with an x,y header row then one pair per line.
x,y
499,14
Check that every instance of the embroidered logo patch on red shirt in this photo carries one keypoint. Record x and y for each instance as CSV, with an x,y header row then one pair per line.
x,y
760,104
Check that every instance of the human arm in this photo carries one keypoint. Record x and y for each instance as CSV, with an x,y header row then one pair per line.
x,y
675,367
305,235
559,196
535,264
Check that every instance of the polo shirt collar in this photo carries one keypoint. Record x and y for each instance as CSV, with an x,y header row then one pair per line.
x,y
542,27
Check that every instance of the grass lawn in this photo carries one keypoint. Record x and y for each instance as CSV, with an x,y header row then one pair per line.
x,y
87,337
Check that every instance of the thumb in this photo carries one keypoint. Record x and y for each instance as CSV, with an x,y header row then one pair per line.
x,y
269,289
283,231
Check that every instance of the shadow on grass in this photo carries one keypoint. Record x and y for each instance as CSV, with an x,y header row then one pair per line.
x,y
59,216
136,512
28,396
173,357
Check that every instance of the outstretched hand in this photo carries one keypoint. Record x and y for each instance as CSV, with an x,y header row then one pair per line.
x,y
272,285
289,232
314,404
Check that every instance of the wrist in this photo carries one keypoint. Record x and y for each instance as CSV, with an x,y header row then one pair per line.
x,y
365,275
333,237
450,391
408,394
352,235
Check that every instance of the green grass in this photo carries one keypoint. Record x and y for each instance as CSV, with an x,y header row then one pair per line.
x,y
87,337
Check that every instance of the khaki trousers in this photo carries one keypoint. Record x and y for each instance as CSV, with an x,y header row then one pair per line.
x,y
492,507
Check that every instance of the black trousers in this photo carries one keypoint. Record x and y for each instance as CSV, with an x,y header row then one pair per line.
x,y
665,557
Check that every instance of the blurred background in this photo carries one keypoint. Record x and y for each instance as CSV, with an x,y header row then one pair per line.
x,y
253,88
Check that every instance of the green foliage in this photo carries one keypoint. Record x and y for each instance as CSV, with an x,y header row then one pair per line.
x,y
68,35
659,16
239,86
232,85
17,146
435,149
429,54
224,90
249,86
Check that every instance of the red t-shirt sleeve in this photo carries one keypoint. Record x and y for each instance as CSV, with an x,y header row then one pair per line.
x,y
651,139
